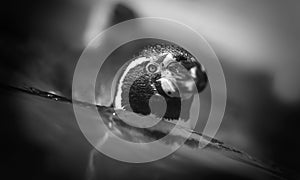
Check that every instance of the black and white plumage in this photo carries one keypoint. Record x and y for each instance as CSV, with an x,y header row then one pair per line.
x,y
160,82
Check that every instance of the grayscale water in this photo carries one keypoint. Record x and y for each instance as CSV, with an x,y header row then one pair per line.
x,y
216,156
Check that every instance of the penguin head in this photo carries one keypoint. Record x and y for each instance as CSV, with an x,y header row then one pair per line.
x,y
159,81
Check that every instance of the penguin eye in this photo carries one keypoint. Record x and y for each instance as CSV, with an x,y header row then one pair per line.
x,y
152,68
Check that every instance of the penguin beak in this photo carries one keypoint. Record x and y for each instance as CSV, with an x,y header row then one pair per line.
x,y
182,78
169,87
177,84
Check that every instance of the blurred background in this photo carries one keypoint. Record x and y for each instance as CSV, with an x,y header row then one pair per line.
x,y
257,43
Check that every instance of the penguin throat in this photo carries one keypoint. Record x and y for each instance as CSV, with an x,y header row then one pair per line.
x,y
146,97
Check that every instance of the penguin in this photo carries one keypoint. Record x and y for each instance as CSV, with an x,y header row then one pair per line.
x,y
158,84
